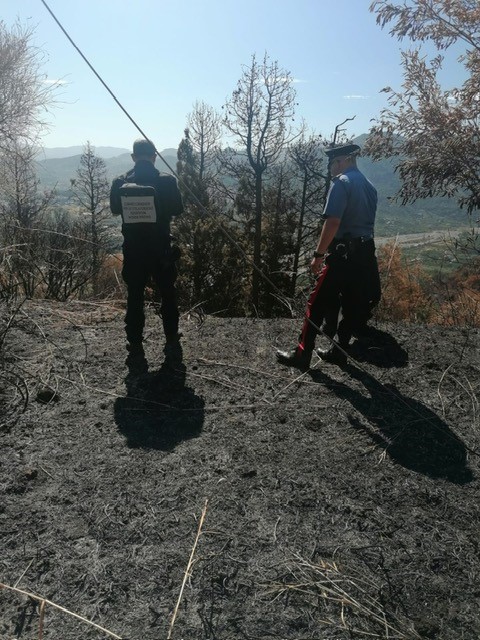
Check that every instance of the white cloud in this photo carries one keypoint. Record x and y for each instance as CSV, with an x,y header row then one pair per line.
x,y
356,97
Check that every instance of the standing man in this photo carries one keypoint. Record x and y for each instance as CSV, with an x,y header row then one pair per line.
x,y
147,201
344,262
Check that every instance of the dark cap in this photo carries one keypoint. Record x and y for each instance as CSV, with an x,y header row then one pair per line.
x,y
142,147
342,150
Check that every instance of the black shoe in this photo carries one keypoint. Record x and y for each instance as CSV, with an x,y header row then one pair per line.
x,y
333,355
296,358
136,361
173,349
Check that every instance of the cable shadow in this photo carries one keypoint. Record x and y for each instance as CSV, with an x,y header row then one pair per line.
x,y
411,433
378,348
158,411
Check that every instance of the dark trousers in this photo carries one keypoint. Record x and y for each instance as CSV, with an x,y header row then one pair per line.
x,y
348,280
141,266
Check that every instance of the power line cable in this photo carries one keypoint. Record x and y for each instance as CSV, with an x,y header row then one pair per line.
x,y
92,68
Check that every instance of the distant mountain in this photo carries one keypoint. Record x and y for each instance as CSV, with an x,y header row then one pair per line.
x,y
58,171
392,218
67,152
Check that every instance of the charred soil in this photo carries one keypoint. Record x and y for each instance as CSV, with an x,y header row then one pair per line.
x,y
338,503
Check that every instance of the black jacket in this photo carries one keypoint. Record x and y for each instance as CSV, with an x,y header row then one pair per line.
x,y
168,200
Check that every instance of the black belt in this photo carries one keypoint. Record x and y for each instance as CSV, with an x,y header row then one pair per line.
x,y
358,240
343,245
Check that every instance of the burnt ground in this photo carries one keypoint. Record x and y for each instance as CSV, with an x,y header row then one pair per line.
x,y
342,503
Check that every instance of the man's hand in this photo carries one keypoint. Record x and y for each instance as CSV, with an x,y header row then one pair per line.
x,y
329,229
316,265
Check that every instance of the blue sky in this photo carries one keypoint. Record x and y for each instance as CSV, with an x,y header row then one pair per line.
x,y
159,57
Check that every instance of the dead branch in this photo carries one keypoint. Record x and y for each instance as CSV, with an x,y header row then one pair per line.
x,y
44,601
187,573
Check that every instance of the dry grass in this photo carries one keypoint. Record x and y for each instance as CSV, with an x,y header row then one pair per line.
x,y
347,599
43,602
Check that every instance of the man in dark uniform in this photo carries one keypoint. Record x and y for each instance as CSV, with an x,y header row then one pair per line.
x,y
344,262
147,201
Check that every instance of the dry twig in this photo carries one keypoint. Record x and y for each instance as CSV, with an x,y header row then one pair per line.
x,y
187,570
44,601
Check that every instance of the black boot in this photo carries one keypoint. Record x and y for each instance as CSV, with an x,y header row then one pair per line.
x,y
296,358
136,361
333,355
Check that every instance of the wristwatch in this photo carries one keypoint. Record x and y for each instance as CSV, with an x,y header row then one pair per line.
x,y
316,254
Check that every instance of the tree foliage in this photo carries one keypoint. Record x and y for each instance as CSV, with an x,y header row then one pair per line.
x,y
24,94
259,116
192,184
409,294
24,98
66,263
205,130
405,294
307,160
90,189
211,265
434,132
280,222
23,209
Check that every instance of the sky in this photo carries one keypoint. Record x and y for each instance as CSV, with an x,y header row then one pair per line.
x,y
161,56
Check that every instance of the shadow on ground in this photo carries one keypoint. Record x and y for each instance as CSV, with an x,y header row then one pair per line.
x,y
409,432
379,348
158,411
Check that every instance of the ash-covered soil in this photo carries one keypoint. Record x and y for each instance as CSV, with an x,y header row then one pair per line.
x,y
334,504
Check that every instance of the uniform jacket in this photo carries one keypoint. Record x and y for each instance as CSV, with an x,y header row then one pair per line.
x,y
168,202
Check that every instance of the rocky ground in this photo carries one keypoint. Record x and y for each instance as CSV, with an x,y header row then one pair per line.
x,y
229,497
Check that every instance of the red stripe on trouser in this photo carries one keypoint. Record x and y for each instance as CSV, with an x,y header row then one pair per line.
x,y
313,296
